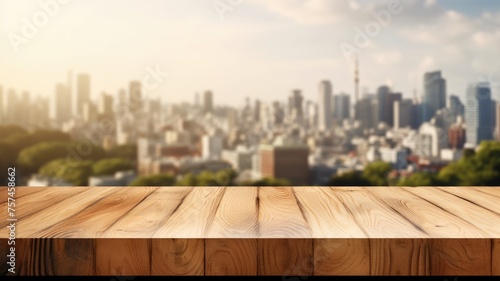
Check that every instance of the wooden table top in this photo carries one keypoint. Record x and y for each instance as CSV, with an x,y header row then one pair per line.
x,y
254,212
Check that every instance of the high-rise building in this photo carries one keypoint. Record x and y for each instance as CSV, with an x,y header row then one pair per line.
x,y
89,112
434,95
383,93
478,113
256,111
212,146
403,116
341,107
135,101
325,106
105,105
498,122
208,102
62,104
457,134
456,106
389,107
83,92
367,111
295,107
285,161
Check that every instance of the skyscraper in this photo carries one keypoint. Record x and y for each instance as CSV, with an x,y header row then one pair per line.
x,y
135,97
434,95
456,106
83,92
62,104
478,113
325,105
389,107
208,102
498,122
295,106
382,96
341,107
403,113
105,105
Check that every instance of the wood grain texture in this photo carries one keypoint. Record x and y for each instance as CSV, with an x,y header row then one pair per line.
x,y
32,225
460,257
341,257
21,191
147,217
123,257
376,219
495,257
237,215
280,216
432,219
323,209
286,257
399,257
38,201
178,257
193,218
231,257
94,220
475,196
482,218
55,257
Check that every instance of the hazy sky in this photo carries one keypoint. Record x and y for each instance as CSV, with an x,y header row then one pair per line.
x,y
261,48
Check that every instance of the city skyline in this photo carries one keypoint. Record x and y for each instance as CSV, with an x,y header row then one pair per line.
x,y
257,49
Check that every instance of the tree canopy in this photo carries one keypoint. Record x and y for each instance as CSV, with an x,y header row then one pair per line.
x,y
109,166
156,180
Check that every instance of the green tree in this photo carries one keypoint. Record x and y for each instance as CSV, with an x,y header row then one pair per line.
x,y
268,182
156,180
376,173
6,131
128,151
109,166
77,175
31,159
419,179
349,179
187,180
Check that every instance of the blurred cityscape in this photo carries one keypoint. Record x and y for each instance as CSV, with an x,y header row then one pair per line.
x,y
308,139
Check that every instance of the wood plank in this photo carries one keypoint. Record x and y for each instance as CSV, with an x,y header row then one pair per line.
x,y
21,191
460,257
58,257
322,209
147,217
280,216
32,225
123,257
286,257
493,191
35,202
435,221
178,257
475,196
198,209
237,215
495,257
399,257
376,219
231,257
341,257
474,214
98,217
